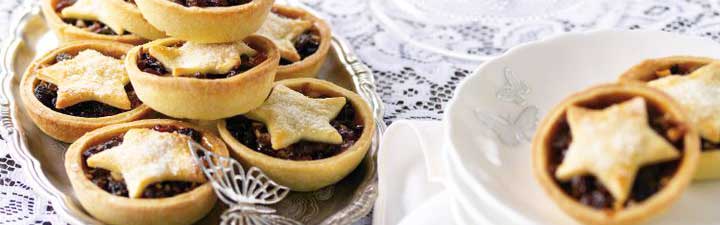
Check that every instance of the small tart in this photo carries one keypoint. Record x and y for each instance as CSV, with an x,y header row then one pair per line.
x,y
309,44
177,208
68,122
68,32
206,24
690,80
304,165
203,96
580,155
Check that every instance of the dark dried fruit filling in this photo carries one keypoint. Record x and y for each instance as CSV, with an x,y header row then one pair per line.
x,y
149,64
650,179
210,3
254,135
103,179
46,93
89,25
306,44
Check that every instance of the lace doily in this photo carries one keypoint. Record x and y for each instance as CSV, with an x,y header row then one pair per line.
x,y
413,83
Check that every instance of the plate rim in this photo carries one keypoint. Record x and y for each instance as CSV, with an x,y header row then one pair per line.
x,y
362,78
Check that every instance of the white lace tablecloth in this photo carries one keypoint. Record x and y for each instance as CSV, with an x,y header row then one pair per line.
x,y
414,84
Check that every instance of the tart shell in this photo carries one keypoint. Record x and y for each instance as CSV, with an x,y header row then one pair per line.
x,y
709,164
632,214
185,208
64,127
133,19
206,25
205,99
69,33
309,66
314,174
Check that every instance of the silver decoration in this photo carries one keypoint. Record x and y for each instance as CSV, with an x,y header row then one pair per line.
x,y
245,193
511,129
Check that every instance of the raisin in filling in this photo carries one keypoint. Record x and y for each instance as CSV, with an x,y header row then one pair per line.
x,y
103,179
149,64
89,25
649,180
306,44
682,70
46,93
210,3
255,136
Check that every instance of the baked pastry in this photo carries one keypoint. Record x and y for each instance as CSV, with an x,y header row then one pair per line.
x,y
615,154
73,20
206,21
142,172
78,88
303,41
129,16
693,82
203,81
307,135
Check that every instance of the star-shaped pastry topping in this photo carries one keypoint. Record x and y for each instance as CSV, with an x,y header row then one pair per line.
x,y
698,92
612,144
146,157
194,58
282,31
89,76
92,10
291,116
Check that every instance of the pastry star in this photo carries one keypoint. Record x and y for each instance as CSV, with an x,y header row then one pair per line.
x,y
283,31
613,144
146,157
91,10
89,76
201,58
698,92
291,116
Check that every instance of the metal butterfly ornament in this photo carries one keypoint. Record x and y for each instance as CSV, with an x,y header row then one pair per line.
x,y
247,193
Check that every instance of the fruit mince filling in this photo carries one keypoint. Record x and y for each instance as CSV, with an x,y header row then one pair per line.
x,y
306,44
149,64
103,179
255,136
210,3
650,179
89,25
46,93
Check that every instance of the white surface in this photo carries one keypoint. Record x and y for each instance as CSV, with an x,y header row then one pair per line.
x,y
493,158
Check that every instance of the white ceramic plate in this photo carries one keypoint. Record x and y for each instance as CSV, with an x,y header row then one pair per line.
x,y
494,113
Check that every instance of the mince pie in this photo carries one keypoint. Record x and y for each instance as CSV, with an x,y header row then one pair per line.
x,y
615,154
73,20
206,21
308,134
80,87
303,41
695,83
203,81
142,172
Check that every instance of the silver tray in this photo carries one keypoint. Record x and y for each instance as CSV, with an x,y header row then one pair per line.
x,y
343,203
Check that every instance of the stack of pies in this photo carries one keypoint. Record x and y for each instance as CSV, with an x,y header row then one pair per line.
x,y
623,153
142,66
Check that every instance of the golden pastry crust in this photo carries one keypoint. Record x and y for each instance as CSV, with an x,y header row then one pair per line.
x,y
709,165
636,213
309,66
205,99
64,127
185,208
133,19
314,174
69,33
206,25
